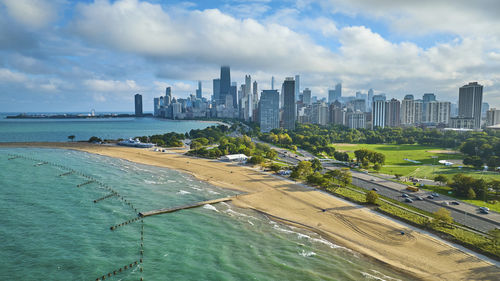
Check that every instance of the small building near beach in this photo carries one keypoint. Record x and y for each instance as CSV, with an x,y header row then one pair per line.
x,y
235,158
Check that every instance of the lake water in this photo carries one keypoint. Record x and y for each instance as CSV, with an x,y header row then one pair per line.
x,y
58,130
52,230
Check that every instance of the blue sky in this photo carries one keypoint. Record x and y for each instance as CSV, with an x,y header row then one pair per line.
x,y
63,55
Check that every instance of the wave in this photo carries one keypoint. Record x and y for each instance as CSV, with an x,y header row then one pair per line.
x,y
307,254
182,192
210,207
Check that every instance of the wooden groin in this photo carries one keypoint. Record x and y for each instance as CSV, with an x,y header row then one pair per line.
x,y
184,207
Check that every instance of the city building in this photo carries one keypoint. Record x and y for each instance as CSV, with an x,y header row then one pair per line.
x,y
225,84
198,91
378,111
369,99
462,122
216,90
319,113
297,87
407,111
470,100
289,104
156,107
359,105
492,117
269,111
392,113
138,105
356,120
336,114
306,97
428,113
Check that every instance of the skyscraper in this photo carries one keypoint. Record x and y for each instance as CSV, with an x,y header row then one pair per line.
x,y
269,111
427,112
168,96
470,100
370,99
392,113
234,94
378,111
338,91
297,87
306,96
289,104
272,83
492,117
138,105
156,106
408,111
216,90
198,91
225,84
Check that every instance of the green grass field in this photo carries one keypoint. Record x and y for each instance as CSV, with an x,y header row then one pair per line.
x,y
428,167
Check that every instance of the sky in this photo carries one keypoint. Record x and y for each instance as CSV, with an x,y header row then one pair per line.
x,y
74,56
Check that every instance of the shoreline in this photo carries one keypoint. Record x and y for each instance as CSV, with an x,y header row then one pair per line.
x,y
369,234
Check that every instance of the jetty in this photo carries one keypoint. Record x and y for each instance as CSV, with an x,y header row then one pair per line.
x,y
184,207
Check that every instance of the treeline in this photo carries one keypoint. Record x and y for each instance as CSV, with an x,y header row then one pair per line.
x,y
472,188
319,139
237,145
310,171
482,149
166,140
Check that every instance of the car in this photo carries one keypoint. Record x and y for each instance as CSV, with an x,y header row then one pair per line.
x,y
420,198
454,203
445,203
408,200
405,195
430,197
375,189
435,194
483,211
372,179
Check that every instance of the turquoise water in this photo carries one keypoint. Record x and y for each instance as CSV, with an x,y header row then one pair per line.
x,y
58,130
52,230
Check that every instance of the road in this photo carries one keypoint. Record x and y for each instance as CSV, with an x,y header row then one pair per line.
x,y
463,213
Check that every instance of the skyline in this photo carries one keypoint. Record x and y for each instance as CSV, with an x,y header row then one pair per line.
x,y
67,56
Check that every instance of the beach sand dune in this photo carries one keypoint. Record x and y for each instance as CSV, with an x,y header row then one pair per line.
x,y
345,224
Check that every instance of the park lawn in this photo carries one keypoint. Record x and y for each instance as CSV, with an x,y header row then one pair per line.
x,y
429,172
395,153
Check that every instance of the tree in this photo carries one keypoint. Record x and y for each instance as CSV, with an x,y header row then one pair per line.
x,y
376,167
94,139
72,137
271,154
302,170
371,197
443,216
316,165
255,160
195,145
317,178
474,161
442,179
275,167
341,156
471,194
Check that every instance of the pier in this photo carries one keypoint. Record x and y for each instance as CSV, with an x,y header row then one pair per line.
x,y
184,207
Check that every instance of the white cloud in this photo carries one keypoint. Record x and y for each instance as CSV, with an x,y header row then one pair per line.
x,y
32,13
99,85
207,36
7,76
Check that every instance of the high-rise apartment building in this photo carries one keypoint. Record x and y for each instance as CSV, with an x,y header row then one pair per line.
x,y
269,110
470,100
234,94
392,113
156,106
378,111
216,90
359,105
492,117
356,120
168,96
297,87
225,84
443,112
370,99
306,96
289,110
427,113
336,114
419,105
407,111
138,105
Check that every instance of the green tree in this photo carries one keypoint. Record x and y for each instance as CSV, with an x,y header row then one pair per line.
x,y
302,170
72,137
442,179
275,167
371,197
95,139
316,165
271,154
255,160
443,216
474,161
377,167
471,194
195,145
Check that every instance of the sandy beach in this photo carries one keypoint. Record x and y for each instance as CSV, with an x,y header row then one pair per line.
x,y
345,224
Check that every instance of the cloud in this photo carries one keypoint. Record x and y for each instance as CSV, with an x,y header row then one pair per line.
x,y
99,85
31,13
207,36
7,76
